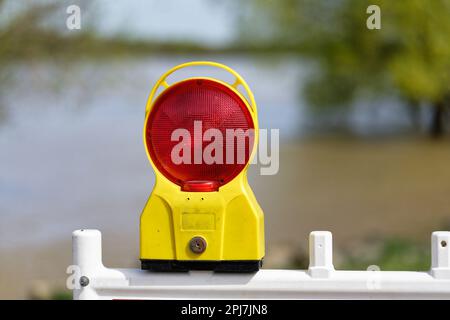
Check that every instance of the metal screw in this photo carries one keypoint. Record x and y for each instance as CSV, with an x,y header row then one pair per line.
x,y
197,245
84,281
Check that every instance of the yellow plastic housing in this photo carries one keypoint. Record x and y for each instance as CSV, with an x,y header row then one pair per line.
x,y
230,219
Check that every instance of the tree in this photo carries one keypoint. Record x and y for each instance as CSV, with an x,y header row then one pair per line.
x,y
408,57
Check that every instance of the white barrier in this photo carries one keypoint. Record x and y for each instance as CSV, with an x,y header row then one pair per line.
x,y
320,281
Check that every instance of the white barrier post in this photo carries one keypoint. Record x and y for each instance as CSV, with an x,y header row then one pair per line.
x,y
87,257
320,254
440,254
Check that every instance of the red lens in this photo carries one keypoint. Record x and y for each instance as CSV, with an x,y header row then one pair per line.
x,y
217,107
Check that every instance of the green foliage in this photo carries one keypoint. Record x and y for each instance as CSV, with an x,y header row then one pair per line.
x,y
37,32
392,254
409,56
62,295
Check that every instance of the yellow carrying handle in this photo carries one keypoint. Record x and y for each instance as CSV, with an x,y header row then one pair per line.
x,y
238,81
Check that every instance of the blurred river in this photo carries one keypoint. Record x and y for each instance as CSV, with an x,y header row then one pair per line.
x,y
72,152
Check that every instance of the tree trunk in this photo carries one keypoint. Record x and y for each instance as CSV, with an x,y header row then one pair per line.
x,y
414,114
437,120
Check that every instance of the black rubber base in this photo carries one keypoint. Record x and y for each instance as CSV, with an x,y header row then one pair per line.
x,y
237,266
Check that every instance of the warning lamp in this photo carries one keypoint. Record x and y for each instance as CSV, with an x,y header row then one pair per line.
x,y
200,134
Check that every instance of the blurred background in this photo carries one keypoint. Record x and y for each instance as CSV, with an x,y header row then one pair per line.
x,y
363,118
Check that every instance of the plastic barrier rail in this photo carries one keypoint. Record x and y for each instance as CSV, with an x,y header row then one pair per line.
x,y
92,280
